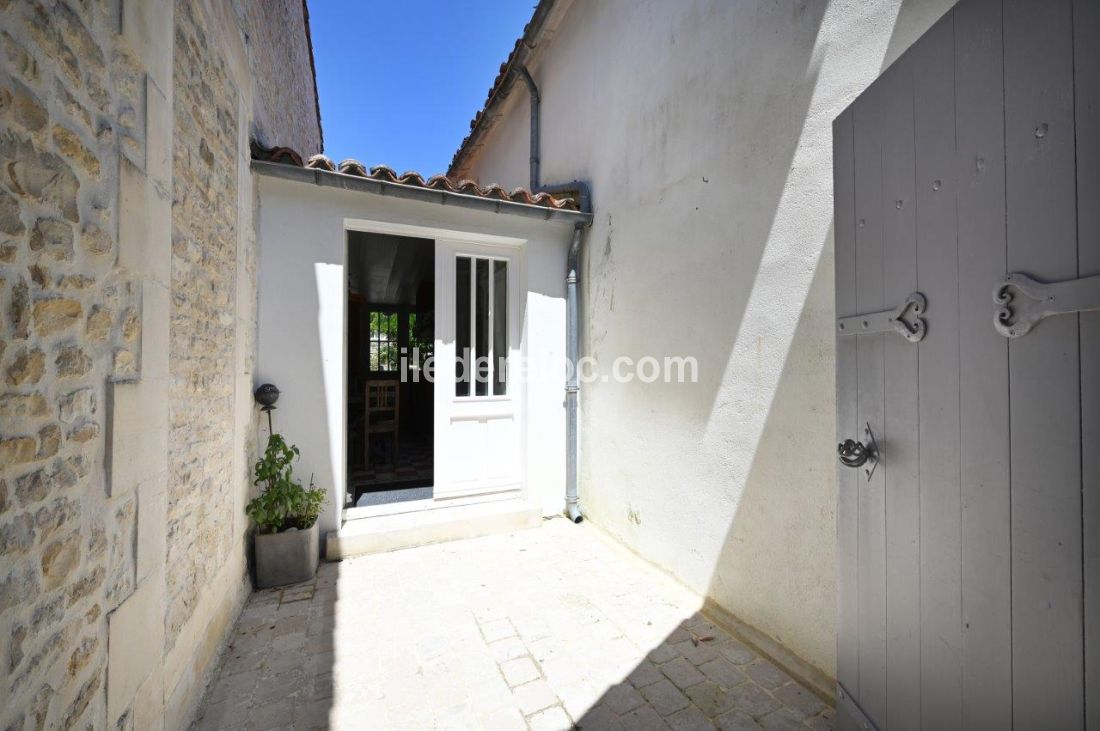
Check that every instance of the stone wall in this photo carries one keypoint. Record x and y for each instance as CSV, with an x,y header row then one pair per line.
x,y
281,116
127,303
204,253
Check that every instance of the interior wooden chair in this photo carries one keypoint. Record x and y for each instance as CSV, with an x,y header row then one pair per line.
x,y
383,415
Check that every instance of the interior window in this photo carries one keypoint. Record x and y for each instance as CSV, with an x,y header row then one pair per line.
x,y
481,326
383,341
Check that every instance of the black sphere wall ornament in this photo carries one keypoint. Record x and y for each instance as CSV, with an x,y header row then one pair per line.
x,y
266,396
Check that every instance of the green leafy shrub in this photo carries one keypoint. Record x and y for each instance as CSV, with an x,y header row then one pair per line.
x,y
284,503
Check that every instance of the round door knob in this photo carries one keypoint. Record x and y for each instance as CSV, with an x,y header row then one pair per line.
x,y
853,453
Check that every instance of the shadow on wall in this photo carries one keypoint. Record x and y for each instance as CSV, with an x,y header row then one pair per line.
x,y
775,517
913,20
301,352
789,491
746,465
738,288
718,247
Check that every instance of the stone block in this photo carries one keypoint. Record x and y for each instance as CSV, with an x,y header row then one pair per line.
x,y
711,698
551,718
11,223
71,146
152,521
137,433
147,28
16,405
77,405
53,238
158,139
622,698
95,240
98,326
682,673
59,559
154,330
16,450
72,361
534,697
664,697
27,367
135,634
121,563
519,671
131,124
144,228
148,708
767,675
55,315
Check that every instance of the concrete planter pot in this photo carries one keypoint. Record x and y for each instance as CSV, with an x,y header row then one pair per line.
x,y
286,558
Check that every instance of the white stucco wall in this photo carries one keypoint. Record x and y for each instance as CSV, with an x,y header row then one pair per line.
x,y
301,323
704,127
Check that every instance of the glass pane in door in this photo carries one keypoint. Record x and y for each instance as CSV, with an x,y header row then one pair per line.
x,y
462,326
481,327
500,328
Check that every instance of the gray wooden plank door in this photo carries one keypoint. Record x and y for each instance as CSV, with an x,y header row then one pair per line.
x,y
969,560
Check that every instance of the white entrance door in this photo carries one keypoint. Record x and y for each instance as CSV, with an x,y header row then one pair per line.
x,y
477,378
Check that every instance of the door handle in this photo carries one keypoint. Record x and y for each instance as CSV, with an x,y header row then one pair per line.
x,y
855,454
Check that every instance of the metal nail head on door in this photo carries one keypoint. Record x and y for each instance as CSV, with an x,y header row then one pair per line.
x,y
905,320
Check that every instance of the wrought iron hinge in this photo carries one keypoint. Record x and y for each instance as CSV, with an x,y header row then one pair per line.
x,y
1015,316
904,319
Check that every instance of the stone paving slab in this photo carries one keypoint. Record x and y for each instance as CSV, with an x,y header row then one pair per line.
x,y
550,628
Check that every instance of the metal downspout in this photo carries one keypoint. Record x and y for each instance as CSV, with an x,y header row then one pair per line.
x,y
572,318
533,92
572,386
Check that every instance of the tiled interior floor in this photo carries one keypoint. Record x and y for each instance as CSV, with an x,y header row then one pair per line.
x,y
550,628
413,468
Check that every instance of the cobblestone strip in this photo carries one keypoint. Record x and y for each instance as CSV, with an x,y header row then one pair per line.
x,y
718,683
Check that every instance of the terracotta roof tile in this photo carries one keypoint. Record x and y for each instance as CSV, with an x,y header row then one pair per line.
x,y
287,156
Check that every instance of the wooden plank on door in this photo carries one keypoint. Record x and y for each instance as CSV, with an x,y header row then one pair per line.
x,y
899,438
1086,31
937,278
869,403
847,484
1044,379
983,356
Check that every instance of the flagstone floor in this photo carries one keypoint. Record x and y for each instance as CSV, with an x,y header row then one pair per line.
x,y
550,628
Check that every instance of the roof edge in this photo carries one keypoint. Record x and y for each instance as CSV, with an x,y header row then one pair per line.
x,y
313,72
524,46
344,181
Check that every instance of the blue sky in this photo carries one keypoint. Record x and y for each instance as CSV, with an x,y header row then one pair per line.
x,y
399,80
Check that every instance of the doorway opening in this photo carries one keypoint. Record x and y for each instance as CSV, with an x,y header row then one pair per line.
x,y
390,399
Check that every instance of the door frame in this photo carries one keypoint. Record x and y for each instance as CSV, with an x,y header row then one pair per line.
x,y
435,234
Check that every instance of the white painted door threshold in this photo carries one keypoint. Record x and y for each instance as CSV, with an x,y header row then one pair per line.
x,y
381,533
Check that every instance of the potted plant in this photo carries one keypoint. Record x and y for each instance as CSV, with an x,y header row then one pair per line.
x,y
285,514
